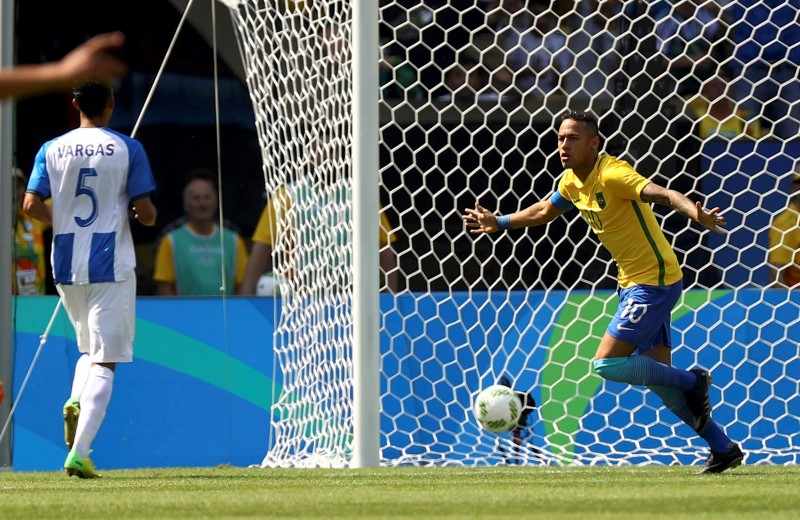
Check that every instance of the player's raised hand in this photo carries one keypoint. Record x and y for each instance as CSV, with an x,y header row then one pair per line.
x,y
710,219
96,59
480,220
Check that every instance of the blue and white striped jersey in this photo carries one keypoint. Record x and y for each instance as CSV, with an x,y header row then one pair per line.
x,y
92,175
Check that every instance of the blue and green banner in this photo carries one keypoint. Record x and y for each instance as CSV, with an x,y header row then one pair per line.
x,y
200,390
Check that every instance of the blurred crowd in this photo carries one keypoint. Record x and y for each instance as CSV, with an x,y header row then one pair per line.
x,y
734,65
512,49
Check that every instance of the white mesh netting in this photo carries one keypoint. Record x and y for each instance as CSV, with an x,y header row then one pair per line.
x,y
700,96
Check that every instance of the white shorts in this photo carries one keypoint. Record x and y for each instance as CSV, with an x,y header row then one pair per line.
x,y
104,317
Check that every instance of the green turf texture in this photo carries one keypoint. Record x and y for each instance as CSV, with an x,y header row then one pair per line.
x,y
652,492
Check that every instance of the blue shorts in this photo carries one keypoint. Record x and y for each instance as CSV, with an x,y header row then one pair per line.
x,y
644,315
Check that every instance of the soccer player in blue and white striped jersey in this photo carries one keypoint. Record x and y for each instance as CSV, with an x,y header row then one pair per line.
x,y
94,175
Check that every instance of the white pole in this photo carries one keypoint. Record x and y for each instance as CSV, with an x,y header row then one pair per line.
x,y
7,212
366,311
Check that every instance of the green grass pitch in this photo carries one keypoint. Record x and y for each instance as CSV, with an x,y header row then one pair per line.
x,y
652,492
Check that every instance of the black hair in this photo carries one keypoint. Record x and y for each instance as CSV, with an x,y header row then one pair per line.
x,y
92,98
586,117
201,173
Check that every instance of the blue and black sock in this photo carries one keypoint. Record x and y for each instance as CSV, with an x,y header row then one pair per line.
x,y
643,371
668,383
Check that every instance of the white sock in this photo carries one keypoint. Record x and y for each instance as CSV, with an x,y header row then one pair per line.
x,y
81,375
94,402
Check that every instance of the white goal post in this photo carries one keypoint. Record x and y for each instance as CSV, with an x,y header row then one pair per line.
x,y
457,101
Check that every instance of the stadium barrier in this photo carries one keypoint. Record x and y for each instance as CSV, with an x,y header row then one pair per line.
x,y
199,391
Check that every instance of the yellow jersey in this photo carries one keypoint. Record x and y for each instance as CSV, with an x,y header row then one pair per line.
x,y
29,262
738,125
270,218
609,200
784,237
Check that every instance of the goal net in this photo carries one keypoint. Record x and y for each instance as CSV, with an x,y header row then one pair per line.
x,y
700,98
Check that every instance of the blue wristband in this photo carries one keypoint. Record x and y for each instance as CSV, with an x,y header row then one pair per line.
x,y
504,221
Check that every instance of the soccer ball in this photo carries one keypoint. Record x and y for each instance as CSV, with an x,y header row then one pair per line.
x,y
497,408
268,285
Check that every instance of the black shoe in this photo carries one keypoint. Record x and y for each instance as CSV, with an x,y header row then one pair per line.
x,y
719,462
528,403
698,400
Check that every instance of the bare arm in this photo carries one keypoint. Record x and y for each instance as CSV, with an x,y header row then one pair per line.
x,y
783,276
166,289
481,220
388,263
774,277
144,211
260,261
683,206
93,59
35,207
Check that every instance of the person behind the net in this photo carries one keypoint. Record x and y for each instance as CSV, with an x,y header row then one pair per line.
x,y
266,233
94,175
615,201
192,250
784,240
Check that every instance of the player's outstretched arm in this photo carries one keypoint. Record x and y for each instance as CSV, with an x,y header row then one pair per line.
x,y
481,220
95,59
684,206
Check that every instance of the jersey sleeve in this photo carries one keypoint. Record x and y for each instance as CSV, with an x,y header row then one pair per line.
x,y
267,225
264,228
241,260
625,181
39,182
140,176
164,269
385,236
781,251
561,203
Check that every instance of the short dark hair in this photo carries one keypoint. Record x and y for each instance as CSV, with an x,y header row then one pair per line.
x,y
92,97
586,117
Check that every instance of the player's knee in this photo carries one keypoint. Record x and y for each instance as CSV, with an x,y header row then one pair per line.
x,y
612,369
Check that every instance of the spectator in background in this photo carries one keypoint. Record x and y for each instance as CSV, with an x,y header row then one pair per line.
x,y
535,48
430,33
267,233
313,206
466,81
784,240
692,40
596,28
717,114
190,253
30,267
767,38
398,79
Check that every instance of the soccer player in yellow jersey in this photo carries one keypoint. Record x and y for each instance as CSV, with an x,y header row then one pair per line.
x,y
615,200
